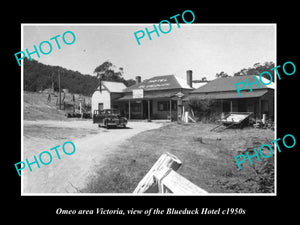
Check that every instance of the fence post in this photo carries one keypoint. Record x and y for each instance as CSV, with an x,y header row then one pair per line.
x,y
159,176
170,181
148,184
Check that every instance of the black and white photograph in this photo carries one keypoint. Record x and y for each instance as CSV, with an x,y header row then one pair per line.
x,y
148,112
188,112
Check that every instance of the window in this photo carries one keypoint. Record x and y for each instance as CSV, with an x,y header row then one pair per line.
x,y
135,107
100,106
163,106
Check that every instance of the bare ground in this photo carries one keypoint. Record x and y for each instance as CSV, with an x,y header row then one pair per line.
x,y
70,173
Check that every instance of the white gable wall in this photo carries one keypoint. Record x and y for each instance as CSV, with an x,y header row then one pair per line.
x,y
103,97
108,87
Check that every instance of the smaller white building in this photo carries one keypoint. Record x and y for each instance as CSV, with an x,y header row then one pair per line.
x,y
110,91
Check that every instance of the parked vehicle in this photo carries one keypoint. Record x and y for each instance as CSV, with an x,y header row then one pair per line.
x,y
108,118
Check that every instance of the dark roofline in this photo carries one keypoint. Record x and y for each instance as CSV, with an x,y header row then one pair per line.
x,y
257,93
144,81
228,84
175,84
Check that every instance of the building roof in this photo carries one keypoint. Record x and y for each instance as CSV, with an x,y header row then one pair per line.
x,y
228,84
148,96
199,84
228,95
165,82
112,86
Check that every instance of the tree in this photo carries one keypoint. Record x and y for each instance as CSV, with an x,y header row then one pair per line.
x,y
129,82
106,72
242,72
204,109
222,74
38,76
257,69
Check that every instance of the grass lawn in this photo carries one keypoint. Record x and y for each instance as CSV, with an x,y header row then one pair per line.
x,y
207,159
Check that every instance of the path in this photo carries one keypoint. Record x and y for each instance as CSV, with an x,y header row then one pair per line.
x,y
71,172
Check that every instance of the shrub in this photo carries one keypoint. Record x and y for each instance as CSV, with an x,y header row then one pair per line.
x,y
204,109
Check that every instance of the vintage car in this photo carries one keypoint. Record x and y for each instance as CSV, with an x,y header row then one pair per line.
x,y
108,118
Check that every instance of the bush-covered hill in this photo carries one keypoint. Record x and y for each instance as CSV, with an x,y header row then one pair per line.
x,y
38,76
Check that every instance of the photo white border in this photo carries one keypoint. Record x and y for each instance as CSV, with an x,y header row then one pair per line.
x,y
147,194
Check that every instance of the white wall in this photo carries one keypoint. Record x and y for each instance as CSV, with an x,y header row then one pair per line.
x,y
103,97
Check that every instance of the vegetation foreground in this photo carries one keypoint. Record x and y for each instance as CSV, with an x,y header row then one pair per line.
x,y
207,159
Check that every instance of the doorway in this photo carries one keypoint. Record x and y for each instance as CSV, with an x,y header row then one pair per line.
x,y
226,107
242,105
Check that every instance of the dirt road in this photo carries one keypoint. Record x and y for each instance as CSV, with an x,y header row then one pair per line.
x,y
71,172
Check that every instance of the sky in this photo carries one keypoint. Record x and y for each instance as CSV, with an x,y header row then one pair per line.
x,y
206,49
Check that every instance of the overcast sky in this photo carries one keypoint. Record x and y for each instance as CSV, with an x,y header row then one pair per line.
x,y
206,49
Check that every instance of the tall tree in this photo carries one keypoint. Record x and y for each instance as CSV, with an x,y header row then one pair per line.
x,y
129,82
106,72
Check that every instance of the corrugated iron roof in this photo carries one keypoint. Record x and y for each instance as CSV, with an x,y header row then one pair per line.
x,y
227,95
111,86
228,84
165,82
198,84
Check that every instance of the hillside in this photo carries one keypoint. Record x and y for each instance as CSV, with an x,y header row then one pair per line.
x,y
38,76
36,107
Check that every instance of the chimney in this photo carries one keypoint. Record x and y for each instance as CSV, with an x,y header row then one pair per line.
x,y
189,78
138,79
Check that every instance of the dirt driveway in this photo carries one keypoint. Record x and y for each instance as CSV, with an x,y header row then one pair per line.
x,y
71,172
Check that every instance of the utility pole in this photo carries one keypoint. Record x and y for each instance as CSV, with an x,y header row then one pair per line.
x,y
59,89
52,81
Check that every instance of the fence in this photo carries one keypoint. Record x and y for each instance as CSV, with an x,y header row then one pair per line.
x,y
163,178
